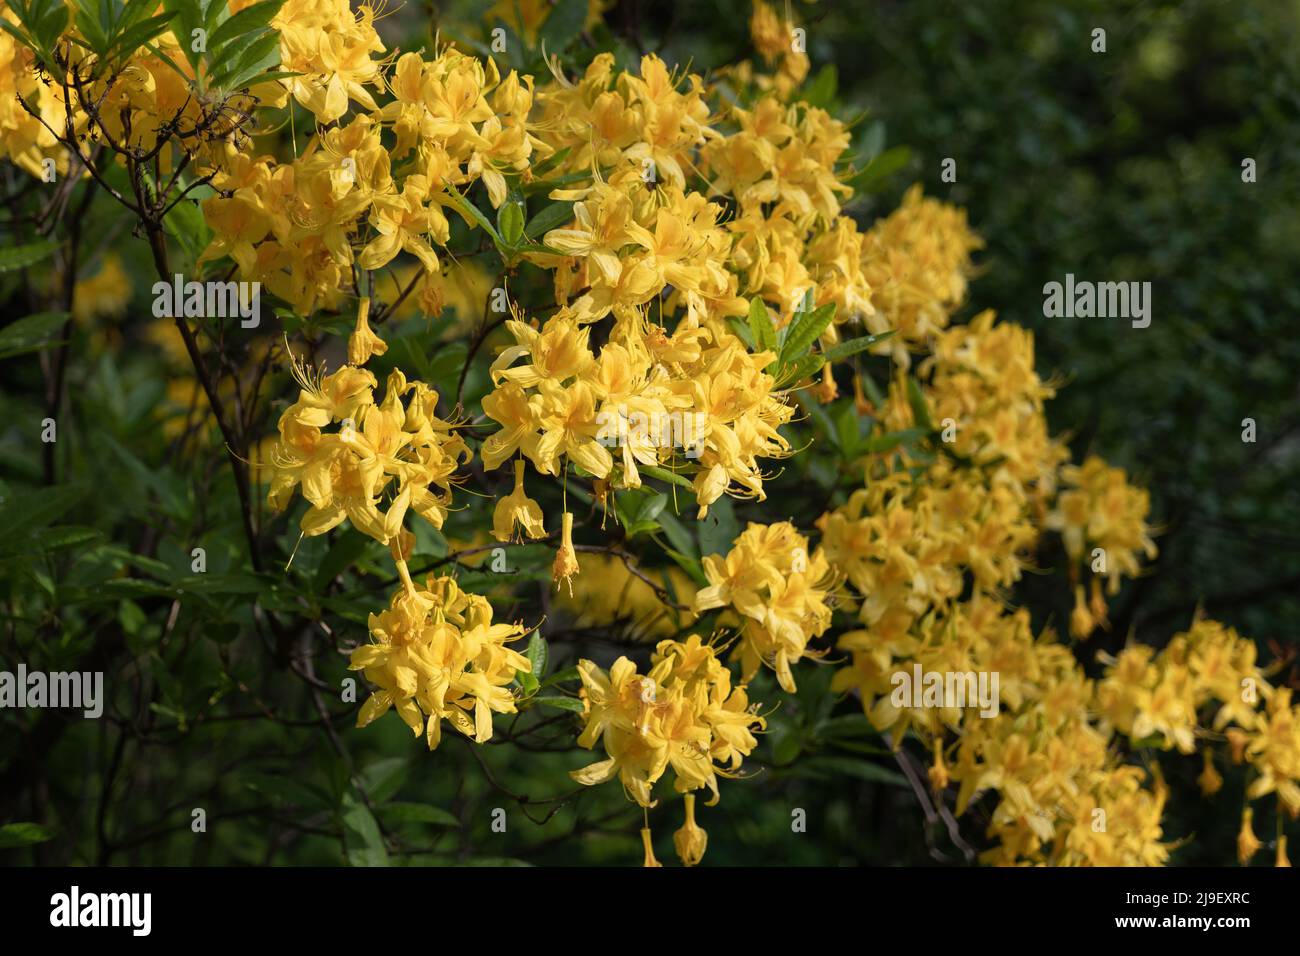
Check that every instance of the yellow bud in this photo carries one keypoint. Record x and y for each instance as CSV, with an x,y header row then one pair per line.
x,y
1247,844
691,840
1210,780
566,560
649,848
363,343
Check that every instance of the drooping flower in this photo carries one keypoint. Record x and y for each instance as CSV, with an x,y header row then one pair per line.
x,y
517,512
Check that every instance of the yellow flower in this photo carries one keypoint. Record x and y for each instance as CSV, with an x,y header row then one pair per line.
x,y
1210,780
566,559
1081,620
517,510
436,654
690,841
1247,843
683,715
770,578
343,473
648,844
363,343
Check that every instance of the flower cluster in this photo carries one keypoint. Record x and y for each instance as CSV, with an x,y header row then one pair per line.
x,y
783,594
906,541
775,41
1102,522
683,714
651,398
435,655
344,473
917,261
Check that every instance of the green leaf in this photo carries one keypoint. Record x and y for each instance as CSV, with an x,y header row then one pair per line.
x,y
719,528
848,725
743,332
690,565
530,680
288,790
37,509
31,334
510,222
185,223
261,55
676,532
821,91
93,20
846,429
652,507
805,330
129,41
20,257
398,813
562,676
550,162
383,778
361,836
760,325
854,346
563,25
188,18
875,176
831,766
537,654
920,410
472,214
793,374
559,703
551,217
247,20
23,834
343,553
891,440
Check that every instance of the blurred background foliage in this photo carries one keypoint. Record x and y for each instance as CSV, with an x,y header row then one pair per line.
x,y
1115,166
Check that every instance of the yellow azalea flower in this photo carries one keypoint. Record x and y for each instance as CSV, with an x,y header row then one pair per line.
x,y
648,844
1247,843
519,414
330,48
106,293
782,592
343,473
517,511
683,715
1274,750
566,559
1082,623
1210,780
690,841
402,223
436,655
363,343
